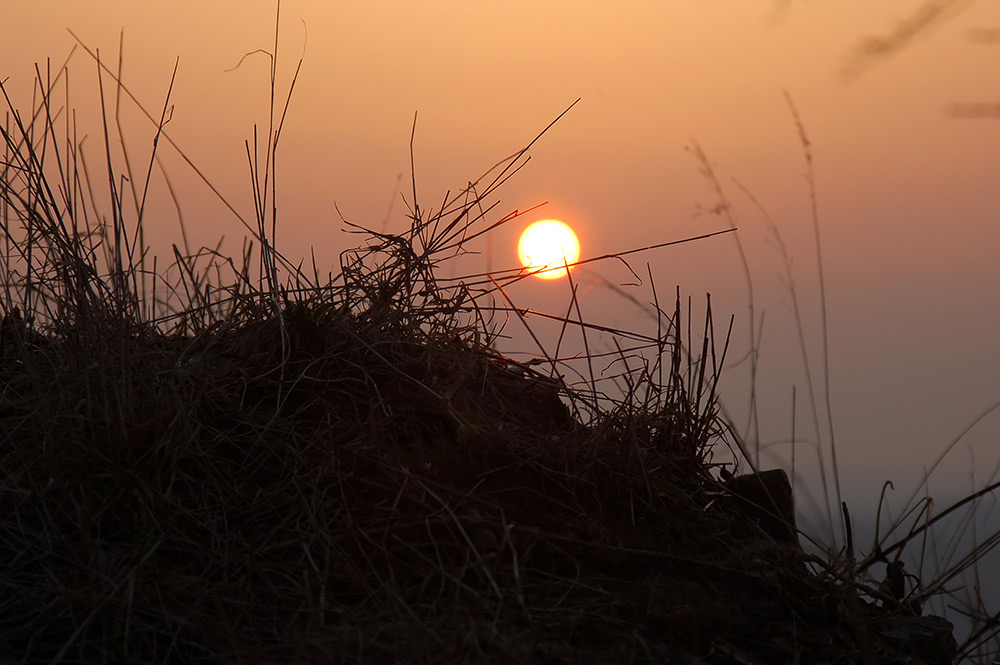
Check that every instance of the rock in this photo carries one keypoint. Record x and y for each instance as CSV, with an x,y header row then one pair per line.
x,y
930,637
766,497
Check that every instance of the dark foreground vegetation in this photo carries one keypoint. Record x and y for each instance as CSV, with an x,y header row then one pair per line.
x,y
246,469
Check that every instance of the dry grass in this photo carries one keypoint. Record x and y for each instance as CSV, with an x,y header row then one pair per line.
x,y
206,464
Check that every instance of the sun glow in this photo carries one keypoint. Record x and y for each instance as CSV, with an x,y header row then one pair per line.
x,y
547,247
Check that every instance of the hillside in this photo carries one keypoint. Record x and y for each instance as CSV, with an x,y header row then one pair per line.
x,y
337,486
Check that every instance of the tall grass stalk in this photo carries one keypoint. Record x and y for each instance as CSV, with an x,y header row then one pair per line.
x,y
824,328
724,208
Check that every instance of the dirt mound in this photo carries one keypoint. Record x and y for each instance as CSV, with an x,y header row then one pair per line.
x,y
345,495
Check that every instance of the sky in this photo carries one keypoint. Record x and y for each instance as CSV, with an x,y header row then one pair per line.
x,y
907,194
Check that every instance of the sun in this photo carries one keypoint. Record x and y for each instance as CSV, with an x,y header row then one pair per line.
x,y
547,247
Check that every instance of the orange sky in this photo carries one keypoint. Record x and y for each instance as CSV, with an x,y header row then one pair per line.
x,y
909,198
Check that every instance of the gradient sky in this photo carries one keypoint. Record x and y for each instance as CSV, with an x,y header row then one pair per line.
x,y
908,195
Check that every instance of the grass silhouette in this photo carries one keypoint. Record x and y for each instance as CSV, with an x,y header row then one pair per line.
x,y
237,459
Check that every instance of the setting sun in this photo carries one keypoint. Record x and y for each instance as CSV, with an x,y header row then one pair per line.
x,y
547,246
